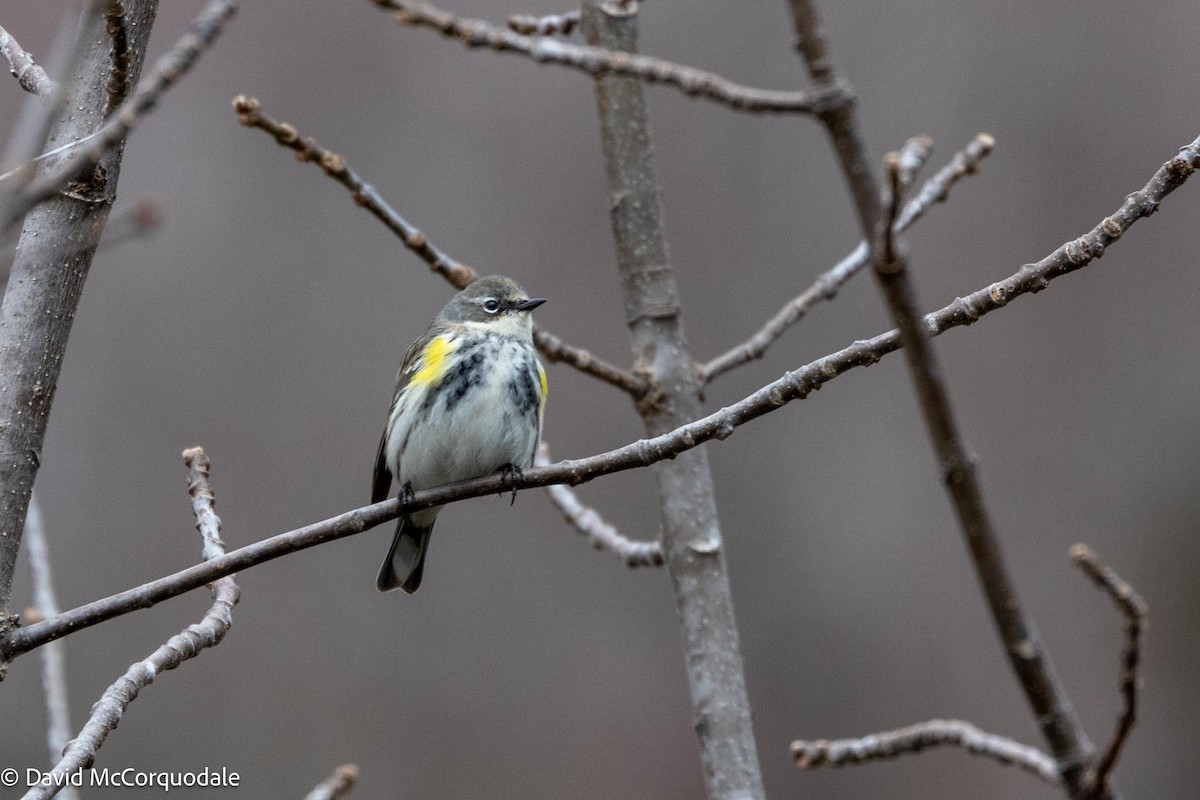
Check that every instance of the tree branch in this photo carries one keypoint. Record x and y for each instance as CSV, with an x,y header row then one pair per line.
x,y
1134,608
29,75
935,190
599,533
336,785
81,751
915,738
250,114
690,528
719,425
52,259
173,65
598,61
54,670
1027,656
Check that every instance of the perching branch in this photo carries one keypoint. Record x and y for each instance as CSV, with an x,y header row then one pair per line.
x,y
29,75
599,533
690,528
49,267
1134,608
549,25
597,61
935,190
719,425
173,65
1027,656
336,785
915,738
250,114
81,751
54,670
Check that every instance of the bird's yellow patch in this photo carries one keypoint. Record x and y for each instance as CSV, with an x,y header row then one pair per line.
x,y
545,387
434,361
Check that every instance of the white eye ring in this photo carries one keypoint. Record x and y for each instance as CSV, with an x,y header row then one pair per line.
x,y
491,305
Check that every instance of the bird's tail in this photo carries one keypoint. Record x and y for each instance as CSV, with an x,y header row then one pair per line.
x,y
405,560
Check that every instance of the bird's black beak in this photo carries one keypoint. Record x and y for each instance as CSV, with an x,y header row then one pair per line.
x,y
530,304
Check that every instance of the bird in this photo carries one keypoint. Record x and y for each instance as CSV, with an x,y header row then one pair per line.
x,y
469,400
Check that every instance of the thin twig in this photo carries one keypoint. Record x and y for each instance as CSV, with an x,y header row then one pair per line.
x,y
935,190
54,670
599,61
29,75
336,785
1027,656
549,25
1134,608
250,114
795,385
81,751
169,69
599,532
915,738
118,79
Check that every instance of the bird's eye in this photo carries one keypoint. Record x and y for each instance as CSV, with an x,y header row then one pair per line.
x,y
491,305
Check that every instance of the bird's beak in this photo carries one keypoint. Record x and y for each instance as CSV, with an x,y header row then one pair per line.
x,y
530,304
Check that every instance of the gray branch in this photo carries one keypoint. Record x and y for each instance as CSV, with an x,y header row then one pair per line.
x,y
208,632
915,738
691,533
613,60
51,263
336,785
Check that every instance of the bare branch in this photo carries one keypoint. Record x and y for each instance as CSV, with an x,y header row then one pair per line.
x,y
598,61
549,25
1027,656
54,670
691,531
173,65
720,425
600,534
1130,604
915,738
118,80
935,190
336,785
81,751
53,255
250,114
29,75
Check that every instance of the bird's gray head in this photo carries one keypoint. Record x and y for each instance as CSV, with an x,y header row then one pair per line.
x,y
494,301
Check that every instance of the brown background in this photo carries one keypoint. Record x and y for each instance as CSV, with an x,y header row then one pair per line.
x,y
266,318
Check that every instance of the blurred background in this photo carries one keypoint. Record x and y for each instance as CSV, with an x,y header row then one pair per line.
x,y
266,317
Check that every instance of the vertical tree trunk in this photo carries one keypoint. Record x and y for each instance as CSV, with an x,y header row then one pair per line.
x,y
54,252
691,534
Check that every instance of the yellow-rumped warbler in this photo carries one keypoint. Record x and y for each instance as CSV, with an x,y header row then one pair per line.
x,y
468,402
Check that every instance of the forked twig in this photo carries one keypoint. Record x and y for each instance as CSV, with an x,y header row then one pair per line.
x,y
80,752
1134,608
934,190
598,61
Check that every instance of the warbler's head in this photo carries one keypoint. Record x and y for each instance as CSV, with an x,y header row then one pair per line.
x,y
497,302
